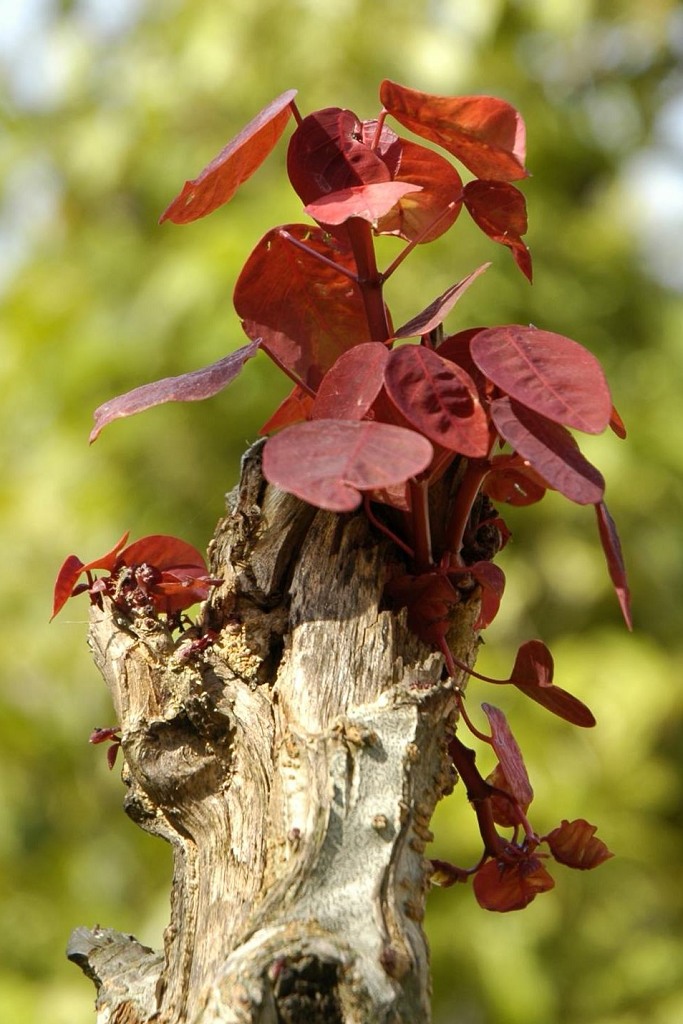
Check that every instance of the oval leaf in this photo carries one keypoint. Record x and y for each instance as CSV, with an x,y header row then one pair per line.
x,y
219,181
573,843
485,133
369,202
423,216
438,398
499,209
328,463
163,552
509,755
505,887
547,372
348,390
188,387
550,449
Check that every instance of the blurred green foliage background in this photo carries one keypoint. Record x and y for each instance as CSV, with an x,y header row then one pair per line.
x,y
107,108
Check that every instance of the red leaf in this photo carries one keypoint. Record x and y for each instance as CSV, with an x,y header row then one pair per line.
x,y
293,409
445,875
163,552
219,181
609,538
369,202
499,209
513,481
548,373
505,811
435,208
505,887
550,449
617,424
73,568
188,387
327,154
438,398
429,599
491,579
437,311
328,463
486,134
509,755
305,312
532,673
573,843
350,387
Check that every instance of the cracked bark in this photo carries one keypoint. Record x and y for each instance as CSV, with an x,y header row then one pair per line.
x,y
294,767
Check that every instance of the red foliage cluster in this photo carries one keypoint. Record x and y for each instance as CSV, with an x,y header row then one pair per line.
x,y
374,422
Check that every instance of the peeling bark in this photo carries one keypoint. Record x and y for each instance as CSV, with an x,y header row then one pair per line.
x,y
294,767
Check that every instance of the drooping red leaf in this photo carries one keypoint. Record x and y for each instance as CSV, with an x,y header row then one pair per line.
x,y
435,208
513,481
550,449
532,673
193,386
73,568
219,181
327,153
505,887
617,424
491,579
437,311
609,538
305,312
499,209
574,843
509,755
438,398
548,373
292,409
505,811
485,133
328,463
350,387
369,202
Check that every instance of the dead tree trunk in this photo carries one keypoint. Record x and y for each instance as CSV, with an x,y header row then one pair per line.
x,y
294,767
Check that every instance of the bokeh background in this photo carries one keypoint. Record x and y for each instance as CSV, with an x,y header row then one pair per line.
x,y
106,109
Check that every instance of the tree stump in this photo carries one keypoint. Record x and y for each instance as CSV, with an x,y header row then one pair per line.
x,y
293,765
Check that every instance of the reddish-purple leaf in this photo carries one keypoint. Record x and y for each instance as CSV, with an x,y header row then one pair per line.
x,y
438,398
188,387
505,810
513,481
369,202
350,387
573,843
491,579
73,568
437,311
163,552
532,673
427,214
509,755
328,463
617,424
485,133
551,450
504,887
429,599
609,538
306,312
499,209
219,181
327,153
548,373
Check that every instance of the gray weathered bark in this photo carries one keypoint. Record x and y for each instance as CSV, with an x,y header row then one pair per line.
x,y
294,767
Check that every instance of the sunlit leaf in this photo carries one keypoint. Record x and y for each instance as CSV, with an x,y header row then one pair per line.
x,y
550,449
485,133
574,843
292,409
505,887
513,481
73,568
193,386
350,387
435,208
219,181
548,373
499,209
437,311
328,463
438,398
369,202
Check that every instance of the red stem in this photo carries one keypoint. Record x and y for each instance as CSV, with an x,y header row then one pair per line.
x,y
422,534
468,490
416,241
368,277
